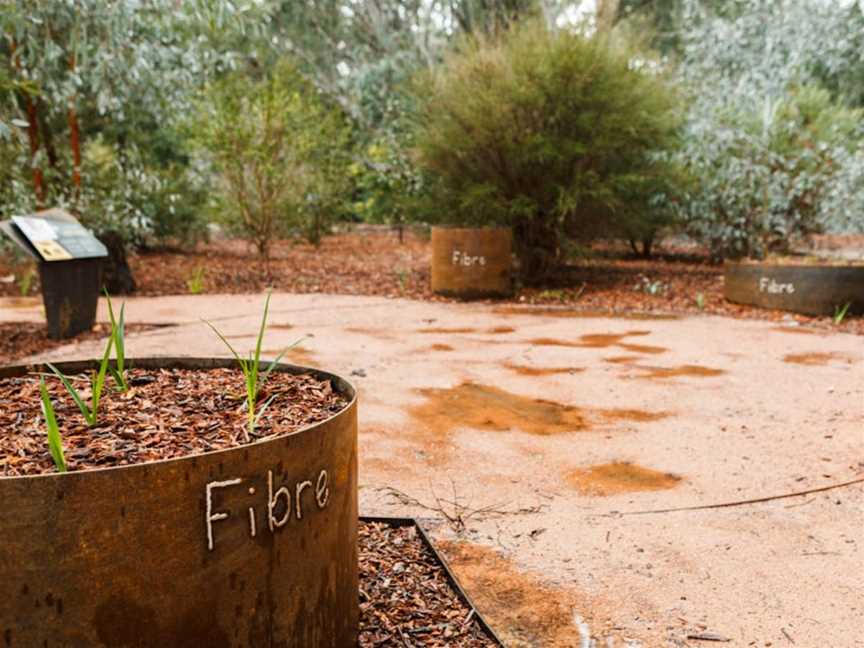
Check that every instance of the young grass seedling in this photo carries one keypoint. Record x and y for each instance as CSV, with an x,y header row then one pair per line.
x,y
118,336
26,282
97,382
195,282
55,444
251,368
840,313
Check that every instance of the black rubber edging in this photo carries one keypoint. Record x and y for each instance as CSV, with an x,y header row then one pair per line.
x,y
402,522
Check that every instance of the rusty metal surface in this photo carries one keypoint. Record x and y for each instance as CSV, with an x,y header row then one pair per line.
x,y
472,263
400,522
140,556
807,289
70,292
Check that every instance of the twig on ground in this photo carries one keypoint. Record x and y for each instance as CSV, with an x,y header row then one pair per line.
x,y
757,500
455,512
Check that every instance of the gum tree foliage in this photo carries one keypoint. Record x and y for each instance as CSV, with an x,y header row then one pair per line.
x,y
99,87
363,55
550,131
278,152
773,134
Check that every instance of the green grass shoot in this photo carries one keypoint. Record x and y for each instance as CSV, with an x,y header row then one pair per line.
x,y
118,337
97,382
840,313
251,368
26,282
55,443
195,282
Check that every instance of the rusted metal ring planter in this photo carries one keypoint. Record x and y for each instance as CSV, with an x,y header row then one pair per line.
x,y
250,546
806,289
472,263
400,522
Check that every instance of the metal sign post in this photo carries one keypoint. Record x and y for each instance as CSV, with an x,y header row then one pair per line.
x,y
70,267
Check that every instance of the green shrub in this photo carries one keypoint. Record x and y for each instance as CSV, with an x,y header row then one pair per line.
x,y
773,135
767,178
279,153
552,132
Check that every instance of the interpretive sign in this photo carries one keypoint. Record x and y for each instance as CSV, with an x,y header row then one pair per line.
x,y
53,235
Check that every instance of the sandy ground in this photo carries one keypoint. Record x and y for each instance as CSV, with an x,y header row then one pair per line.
x,y
545,436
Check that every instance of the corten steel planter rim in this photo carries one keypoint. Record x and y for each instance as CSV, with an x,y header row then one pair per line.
x,y
401,522
805,288
83,557
343,386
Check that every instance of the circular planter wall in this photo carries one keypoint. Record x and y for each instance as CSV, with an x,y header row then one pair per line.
x,y
807,289
250,546
471,263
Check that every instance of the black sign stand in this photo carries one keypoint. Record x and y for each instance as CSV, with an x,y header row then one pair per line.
x,y
70,267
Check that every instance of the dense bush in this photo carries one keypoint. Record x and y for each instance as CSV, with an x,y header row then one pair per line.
x,y
279,154
549,131
765,178
772,134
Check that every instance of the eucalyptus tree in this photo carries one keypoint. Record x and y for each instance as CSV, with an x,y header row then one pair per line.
x,y
98,86
363,55
773,131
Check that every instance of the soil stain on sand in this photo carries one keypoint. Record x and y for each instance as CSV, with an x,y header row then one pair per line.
x,y
633,415
620,477
440,347
815,358
495,330
524,611
529,370
603,341
692,371
588,314
490,408
625,359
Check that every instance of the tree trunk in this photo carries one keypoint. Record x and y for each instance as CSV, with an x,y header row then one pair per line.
x,y
32,132
647,246
33,137
116,274
74,139
537,248
47,137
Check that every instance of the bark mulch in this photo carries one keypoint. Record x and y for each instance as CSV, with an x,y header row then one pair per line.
x,y
373,261
405,597
23,339
166,413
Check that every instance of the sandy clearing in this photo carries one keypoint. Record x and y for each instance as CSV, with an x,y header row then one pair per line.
x,y
747,424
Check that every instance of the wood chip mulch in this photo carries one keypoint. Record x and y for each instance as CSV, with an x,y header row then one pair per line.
x,y
23,339
373,261
405,597
166,413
